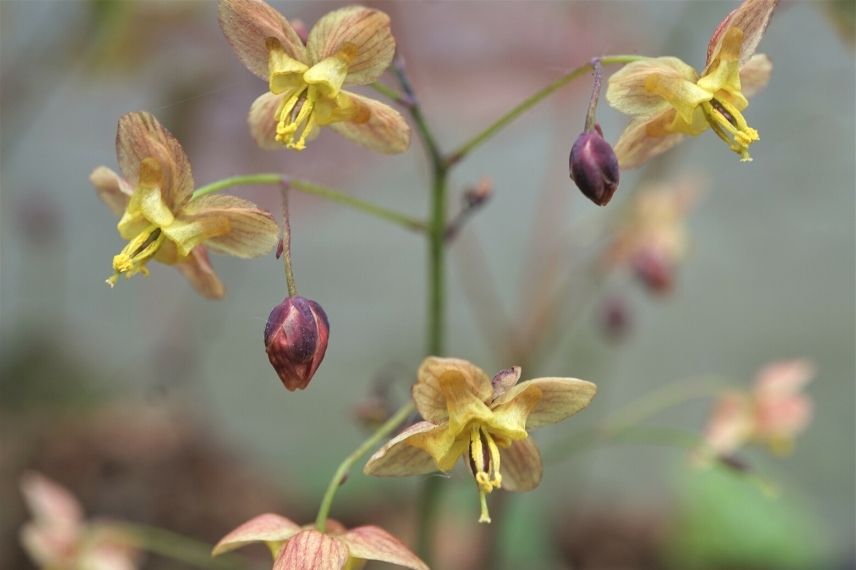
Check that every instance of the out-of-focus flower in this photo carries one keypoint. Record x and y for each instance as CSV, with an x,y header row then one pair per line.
x,y
651,238
160,217
594,167
305,548
468,414
772,414
296,336
669,99
349,46
57,537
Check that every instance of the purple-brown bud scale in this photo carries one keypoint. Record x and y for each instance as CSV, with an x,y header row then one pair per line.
x,y
296,337
594,167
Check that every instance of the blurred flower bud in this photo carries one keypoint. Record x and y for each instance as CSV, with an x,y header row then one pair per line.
x,y
296,339
615,318
594,167
654,270
477,195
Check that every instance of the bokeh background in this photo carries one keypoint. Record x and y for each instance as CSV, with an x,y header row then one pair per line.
x,y
154,405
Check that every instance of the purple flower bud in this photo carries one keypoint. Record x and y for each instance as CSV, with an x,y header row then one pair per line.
x,y
654,270
594,167
296,339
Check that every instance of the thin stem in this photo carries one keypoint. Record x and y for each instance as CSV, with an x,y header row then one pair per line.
x,y
391,93
348,462
530,102
595,94
315,190
425,134
174,546
286,244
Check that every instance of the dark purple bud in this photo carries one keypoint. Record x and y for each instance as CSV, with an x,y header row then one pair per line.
x,y
296,339
616,318
654,270
594,167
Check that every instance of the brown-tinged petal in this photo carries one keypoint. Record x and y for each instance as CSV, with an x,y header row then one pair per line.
x,y
374,543
141,136
362,35
427,394
248,24
783,378
751,17
755,74
629,88
503,380
312,550
645,138
268,527
262,120
251,230
730,425
111,188
560,398
398,458
521,467
375,125
49,502
197,268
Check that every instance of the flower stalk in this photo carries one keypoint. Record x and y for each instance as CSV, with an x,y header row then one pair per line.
x,y
286,243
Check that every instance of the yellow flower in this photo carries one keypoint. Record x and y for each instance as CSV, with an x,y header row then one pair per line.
x,y
159,216
349,46
469,414
300,548
669,99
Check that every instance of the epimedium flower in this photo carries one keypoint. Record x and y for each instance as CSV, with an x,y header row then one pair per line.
x,y
58,537
468,414
162,220
651,236
349,46
669,99
296,547
773,413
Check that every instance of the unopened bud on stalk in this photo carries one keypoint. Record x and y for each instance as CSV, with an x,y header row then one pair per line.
x,y
296,339
654,270
594,167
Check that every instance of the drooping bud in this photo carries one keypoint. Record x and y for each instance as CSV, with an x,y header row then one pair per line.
x,y
296,339
594,167
654,270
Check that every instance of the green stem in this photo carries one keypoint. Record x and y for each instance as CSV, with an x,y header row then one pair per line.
x,y
348,462
531,101
286,245
315,190
174,546
390,93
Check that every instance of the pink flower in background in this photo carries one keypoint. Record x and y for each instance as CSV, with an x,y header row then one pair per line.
x,y
58,538
772,414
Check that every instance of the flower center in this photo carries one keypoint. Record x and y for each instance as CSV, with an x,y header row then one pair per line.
x,y
295,114
484,462
730,125
134,256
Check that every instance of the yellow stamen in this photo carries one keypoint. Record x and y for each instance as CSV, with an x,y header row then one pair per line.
x,y
730,125
134,256
485,464
485,515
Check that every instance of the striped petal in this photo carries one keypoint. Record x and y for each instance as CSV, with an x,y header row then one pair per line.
x,y
312,550
374,125
374,543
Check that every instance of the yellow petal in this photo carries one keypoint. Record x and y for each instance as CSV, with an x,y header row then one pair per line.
x,y
148,196
429,398
263,528
399,458
251,231
112,190
521,467
141,136
285,74
262,120
628,90
197,268
248,24
374,543
644,138
751,18
685,96
723,73
755,74
327,75
374,125
361,34
560,398
312,550
187,232
511,412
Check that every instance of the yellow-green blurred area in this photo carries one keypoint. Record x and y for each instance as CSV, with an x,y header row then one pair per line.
x,y
153,405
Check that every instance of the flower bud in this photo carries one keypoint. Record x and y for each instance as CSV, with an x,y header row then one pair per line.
x,y
654,270
594,167
296,340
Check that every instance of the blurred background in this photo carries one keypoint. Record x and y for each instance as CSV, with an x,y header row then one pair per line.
x,y
153,405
